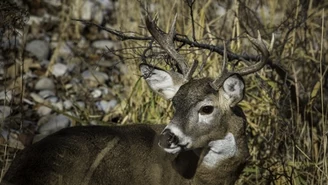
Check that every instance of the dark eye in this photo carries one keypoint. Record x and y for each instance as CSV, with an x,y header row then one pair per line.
x,y
206,110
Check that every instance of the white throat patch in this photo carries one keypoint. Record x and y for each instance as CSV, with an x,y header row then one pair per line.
x,y
220,150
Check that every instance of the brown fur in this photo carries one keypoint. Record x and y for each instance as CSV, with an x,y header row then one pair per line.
x,y
134,158
228,171
124,155
67,156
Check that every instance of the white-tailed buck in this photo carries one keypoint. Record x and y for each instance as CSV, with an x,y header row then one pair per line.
x,y
204,143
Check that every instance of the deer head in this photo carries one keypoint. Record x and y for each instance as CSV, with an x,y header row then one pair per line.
x,y
203,106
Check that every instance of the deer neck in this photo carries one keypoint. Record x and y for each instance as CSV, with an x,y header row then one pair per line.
x,y
226,169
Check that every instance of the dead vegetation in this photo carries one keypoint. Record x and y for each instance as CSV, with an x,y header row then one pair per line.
x,y
285,103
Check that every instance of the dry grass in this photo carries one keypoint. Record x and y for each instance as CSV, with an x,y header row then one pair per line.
x,y
284,103
287,124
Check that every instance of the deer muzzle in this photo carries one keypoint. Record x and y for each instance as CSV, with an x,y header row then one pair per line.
x,y
168,139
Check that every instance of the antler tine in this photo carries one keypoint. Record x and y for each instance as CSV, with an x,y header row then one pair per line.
x,y
263,47
216,84
165,40
191,70
225,58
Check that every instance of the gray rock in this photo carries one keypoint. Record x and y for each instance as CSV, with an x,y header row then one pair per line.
x,y
56,3
6,95
44,63
4,133
80,104
92,10
83,42
67,104
43,110
59,69
104,90
106,4
27,101
112,103
65,49
37,20
68,86
14,142
5,111
106,106
38,48
102,105
93,122
95,76
103,44
96,93
105,63
2,72
98,15
58,105
37,98
86,10
52,99
54,123
45,84
46,93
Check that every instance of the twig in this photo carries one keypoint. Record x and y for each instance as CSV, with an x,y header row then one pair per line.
x,y
190,4
119,34
178,37
186,41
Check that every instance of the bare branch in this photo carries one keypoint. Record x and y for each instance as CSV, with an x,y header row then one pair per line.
x,y
183,39
261,45
119,34
190,4
218,49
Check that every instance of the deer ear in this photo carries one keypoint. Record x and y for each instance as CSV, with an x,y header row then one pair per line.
x,y
166,84
233,88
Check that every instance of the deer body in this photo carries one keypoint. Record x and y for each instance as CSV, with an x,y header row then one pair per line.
x,y
95,155
131,155
74,156
204,143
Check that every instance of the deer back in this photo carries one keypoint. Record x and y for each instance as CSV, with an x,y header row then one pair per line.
x,y
100,155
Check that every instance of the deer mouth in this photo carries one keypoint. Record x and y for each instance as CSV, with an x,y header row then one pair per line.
x,y
174,149
172,143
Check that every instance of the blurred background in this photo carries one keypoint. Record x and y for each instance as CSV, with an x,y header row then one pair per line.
x,y
58,71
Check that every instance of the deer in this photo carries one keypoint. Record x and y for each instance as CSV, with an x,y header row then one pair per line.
x,y
204,143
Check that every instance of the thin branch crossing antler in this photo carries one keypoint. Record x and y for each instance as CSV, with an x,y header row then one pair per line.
x,y
165,40
261,45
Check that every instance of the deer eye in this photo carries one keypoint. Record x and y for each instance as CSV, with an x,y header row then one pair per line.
x,y
206,110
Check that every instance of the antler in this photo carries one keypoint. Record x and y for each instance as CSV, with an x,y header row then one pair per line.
x,y
165,40
261,45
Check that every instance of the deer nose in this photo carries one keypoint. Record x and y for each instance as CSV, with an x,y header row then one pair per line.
x,y
167,138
